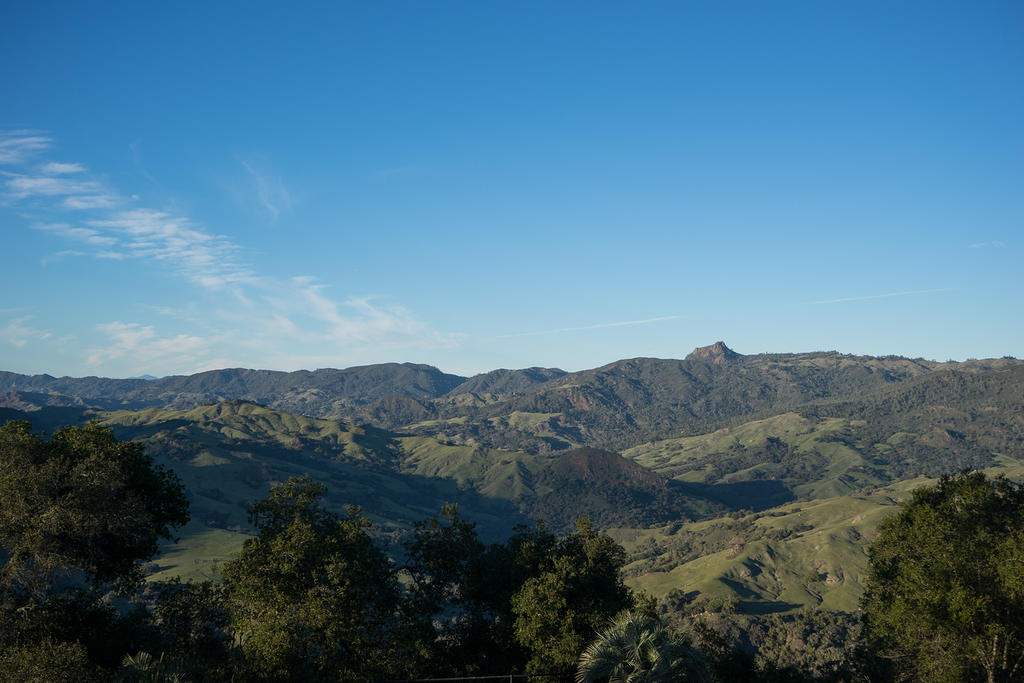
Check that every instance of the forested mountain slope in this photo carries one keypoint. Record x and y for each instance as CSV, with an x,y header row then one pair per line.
x,y
229,454
753,478
534,410
630,402
307,392
936,423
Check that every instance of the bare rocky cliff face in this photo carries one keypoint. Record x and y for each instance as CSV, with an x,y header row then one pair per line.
x,y
717,353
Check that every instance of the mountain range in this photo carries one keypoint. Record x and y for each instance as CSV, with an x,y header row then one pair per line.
x,y
535,409
758,478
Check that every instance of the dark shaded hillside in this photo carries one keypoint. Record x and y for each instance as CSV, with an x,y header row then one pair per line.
x,y
645,396
352,385
974,394
612,491
507,381
229,454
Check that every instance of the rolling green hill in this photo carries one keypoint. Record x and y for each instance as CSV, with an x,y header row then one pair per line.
x,y
787,558
784,558
229,454
757,479
936,423
820,479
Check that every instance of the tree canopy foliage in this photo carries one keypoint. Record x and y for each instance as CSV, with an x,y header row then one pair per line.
x,y
78,514
944,599
311,596
560,609
314,596
81,501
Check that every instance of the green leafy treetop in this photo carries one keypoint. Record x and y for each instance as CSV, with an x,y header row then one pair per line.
x,y
447,607
78,514
442,554
81,502
312,597
531,602
944,600
560,610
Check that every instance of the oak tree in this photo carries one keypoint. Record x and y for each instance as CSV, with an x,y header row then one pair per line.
x,y
944,599
311,596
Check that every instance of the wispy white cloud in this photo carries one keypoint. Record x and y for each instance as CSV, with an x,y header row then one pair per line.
x,y
301,309
86,235
77,193
58,168
144,348
136,149
244,317
47,260
16,146
982,245
878,296
207,260
19,333
21,186
96,201
270,191
397,171
598,326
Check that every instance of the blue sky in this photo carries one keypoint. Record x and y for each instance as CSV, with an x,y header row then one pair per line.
x,y
186,186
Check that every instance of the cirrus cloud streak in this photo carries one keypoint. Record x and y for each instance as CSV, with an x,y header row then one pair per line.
x,y
246,317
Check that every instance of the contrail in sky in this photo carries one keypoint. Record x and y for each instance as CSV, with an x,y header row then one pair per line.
x,y
879,296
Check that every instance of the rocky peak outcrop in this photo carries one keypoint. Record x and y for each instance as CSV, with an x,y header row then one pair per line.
x,y
717,353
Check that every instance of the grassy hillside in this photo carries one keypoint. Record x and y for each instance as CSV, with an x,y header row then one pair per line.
x,y
764,462
229,454
790,557
772,506
937,423
781,559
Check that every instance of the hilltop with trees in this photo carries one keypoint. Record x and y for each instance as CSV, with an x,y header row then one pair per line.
x,y
313,596
741,515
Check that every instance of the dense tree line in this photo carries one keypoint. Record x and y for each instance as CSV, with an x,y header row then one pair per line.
x,y
945,594
314,597
77,514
